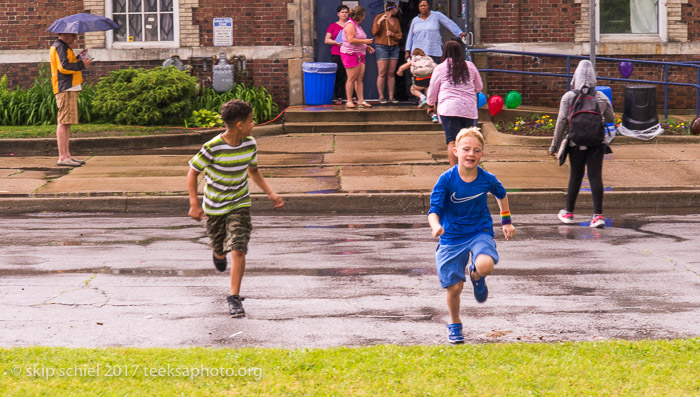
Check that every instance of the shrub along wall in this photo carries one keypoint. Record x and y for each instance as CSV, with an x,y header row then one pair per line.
x,y
272,71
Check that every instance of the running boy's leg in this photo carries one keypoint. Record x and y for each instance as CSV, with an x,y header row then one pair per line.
x,y
484,257
216,229
238,229
237,270
484,266
453,301
450,263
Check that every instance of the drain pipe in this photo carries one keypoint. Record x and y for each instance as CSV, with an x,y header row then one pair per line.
x,y
591,7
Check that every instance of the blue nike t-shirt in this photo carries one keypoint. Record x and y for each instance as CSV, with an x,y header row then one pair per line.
x,y
461,206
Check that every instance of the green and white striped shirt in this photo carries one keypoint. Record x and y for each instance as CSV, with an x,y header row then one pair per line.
x,y
225,168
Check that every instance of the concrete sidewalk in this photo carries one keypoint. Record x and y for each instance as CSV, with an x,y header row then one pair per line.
x,y
346,172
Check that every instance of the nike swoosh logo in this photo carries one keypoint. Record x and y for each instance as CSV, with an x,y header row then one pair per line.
x,y
456,200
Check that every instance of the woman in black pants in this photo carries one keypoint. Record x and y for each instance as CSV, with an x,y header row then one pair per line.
x,y
332,40
582,158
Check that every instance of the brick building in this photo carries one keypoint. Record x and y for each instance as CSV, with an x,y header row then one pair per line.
x,y
669,31
276,36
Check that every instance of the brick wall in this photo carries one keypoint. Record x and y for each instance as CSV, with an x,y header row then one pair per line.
x,y
270,73
23,23
255,22
547,91
690,15
529,21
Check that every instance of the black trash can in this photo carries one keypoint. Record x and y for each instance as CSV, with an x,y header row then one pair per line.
x,y
640,107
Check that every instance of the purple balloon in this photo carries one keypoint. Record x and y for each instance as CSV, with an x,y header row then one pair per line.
x,y
626,69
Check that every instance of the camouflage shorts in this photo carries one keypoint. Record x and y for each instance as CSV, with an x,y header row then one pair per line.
x,y
230,232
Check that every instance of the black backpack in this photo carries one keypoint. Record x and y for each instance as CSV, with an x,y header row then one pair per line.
x,y
586,126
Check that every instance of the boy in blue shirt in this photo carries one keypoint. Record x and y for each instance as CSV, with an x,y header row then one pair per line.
x,y
460,216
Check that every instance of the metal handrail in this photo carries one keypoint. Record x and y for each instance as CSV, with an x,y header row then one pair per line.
x,y
568,75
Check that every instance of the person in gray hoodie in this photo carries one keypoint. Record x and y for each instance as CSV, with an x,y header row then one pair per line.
x,y
582,157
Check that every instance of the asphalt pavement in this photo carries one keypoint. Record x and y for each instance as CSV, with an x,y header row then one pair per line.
x,y
343,172
324,281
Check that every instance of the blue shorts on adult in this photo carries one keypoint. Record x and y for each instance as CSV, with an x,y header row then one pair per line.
x,y
451,260
387,51
452,125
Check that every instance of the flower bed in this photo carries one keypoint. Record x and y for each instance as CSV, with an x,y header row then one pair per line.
x,y
543,125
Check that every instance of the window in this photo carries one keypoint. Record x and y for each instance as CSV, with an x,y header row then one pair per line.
x,y
628,17
149,23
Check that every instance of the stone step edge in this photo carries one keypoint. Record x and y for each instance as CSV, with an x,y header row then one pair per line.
x,y
348,203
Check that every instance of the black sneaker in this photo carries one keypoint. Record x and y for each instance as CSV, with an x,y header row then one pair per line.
x,y
220,264
235,307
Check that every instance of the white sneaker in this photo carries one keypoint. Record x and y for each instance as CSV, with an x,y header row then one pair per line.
x,y
566,217
423,102
597,221
435,118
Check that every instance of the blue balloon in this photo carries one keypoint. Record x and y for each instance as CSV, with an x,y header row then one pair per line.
x,y
481,99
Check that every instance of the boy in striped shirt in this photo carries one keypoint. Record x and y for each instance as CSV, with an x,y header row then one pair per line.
x,y
227,161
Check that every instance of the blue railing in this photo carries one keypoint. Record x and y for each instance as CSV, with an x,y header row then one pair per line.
x,y
568,75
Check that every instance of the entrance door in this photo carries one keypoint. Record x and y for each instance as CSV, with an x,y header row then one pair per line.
x,y
326,14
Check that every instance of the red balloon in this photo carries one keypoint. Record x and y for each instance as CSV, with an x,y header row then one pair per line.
x,y
495,105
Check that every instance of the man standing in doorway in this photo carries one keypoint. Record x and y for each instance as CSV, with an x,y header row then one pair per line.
x,y
67,78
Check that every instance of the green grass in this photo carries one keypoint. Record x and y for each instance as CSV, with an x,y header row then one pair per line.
x,y
85,130
637,368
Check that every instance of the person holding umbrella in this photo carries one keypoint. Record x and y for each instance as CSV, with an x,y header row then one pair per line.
x,y
67,77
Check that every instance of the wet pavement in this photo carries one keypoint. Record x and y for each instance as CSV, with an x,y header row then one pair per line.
x,y
346,172
104,280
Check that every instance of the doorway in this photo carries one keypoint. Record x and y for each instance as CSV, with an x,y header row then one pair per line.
x,y
326,14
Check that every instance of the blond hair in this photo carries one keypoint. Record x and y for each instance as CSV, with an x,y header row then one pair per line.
x,y
471,131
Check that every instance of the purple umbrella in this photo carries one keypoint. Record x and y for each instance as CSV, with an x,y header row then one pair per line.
x,y
81,23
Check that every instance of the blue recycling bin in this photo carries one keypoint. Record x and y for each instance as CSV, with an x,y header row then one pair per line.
x,y
319,81
608,92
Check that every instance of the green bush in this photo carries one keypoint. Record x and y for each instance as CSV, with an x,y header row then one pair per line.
x,y
264,107
129,96
157,96
205,119
37,105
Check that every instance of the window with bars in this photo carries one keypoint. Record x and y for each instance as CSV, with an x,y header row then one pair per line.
x,y
144,20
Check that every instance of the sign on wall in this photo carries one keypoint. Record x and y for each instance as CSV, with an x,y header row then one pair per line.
x,y
223,32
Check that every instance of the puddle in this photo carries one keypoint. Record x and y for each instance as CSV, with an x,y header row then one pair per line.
x,y
210,272
371,226
326,191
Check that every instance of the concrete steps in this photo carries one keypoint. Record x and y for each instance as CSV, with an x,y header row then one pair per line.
x,y
374,126
335,119
330,114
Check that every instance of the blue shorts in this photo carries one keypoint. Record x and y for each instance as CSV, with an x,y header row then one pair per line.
x,y
452,125
451,260
386,51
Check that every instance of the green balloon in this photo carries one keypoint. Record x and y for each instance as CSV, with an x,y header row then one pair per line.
x,y
513,99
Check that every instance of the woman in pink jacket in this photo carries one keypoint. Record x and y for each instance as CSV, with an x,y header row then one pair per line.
x,y
453,88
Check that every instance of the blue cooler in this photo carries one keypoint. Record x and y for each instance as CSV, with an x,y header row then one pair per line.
x,y
608,92
319,81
